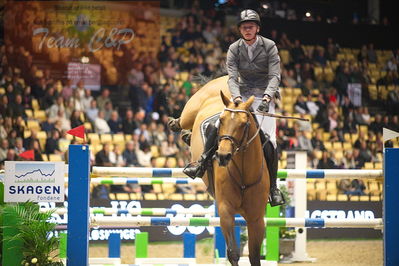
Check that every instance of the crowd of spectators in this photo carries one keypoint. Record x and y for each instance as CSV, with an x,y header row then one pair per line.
x,y
160,84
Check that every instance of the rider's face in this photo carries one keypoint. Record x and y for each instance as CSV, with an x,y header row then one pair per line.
x,y
248,30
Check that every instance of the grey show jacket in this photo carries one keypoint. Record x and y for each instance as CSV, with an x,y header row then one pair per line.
x,y
258,76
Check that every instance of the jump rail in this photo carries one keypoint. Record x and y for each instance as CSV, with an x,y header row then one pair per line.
x,y
283,173
200,221
138,211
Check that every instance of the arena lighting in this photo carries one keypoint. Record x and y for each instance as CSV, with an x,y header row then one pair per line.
x,y
84,60
308,14
265,6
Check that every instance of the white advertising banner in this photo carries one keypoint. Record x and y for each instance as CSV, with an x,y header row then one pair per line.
x,y
34,181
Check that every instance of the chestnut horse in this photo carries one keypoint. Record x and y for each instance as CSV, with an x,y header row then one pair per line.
x,y
240,170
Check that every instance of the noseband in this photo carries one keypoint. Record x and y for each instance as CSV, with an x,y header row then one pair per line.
x,y
238,145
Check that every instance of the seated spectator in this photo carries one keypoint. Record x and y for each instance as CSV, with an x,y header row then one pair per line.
x,y
116,157
326,162
92,111
359,160
288,79
320,57
100,125
317,141
47,125
27,97
18,109
365,151
102,157
35,146
108,109
86,100
130,155
376,126
304,125
371,54
357,187
128,124
169,147
67,90
335,137
304,143
348,162
300,105
19,146
393,101
361,138
103,99
307,87
52,143
49,98
144,155
4,149
115,123
312,106
52,112
75,119
350,126
358,117
394,124
10,156
282,141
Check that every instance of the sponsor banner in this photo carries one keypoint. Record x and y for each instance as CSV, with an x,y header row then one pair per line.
x,y
159,233
34,181
106,34
345,210
316,209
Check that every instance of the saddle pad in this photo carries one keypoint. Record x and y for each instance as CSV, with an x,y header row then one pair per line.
x,y
204,125
204,134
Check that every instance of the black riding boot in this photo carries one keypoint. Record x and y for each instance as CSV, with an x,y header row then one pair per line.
x,y
276,197
197,169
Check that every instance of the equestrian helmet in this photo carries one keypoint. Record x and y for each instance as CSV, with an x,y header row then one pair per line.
x,y
249,15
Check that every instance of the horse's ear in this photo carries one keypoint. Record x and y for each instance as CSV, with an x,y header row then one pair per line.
x,y
225,100
249,102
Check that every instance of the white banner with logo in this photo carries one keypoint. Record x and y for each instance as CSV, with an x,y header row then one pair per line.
x,y
34,181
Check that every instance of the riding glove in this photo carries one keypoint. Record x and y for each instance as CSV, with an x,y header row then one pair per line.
x,y
263,107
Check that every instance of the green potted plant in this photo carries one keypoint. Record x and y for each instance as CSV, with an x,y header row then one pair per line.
x,y
34,231
287,235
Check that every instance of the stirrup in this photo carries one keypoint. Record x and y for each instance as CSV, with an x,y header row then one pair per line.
x,y
278,198
194,170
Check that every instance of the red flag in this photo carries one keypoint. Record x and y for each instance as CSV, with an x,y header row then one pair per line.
x,y
77,132
29,155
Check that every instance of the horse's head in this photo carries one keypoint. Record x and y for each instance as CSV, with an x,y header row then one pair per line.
x,y
233,128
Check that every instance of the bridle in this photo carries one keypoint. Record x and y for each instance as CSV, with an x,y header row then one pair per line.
x,y
239,145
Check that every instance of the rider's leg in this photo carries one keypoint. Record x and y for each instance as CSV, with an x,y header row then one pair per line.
x,y
276,197
197,169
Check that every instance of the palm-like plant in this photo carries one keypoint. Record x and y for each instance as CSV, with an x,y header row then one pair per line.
x,y
34,231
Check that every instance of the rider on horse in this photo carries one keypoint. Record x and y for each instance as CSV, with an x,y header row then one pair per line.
x,y
253,67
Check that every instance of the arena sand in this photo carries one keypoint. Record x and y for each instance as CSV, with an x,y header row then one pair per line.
x,y
328,253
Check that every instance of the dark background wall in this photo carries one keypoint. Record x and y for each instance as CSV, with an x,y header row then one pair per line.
x,y
347,35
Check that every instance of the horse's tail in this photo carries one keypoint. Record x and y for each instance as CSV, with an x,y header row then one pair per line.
x,y
201,79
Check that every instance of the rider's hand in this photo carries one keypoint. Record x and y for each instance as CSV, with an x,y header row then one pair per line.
x,y
264,106
237,100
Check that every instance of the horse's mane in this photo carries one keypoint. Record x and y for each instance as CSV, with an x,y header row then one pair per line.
x,y
201,79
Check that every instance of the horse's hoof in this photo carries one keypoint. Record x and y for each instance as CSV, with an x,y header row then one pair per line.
x,y
174,124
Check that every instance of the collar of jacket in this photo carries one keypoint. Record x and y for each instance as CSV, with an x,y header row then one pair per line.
x,y
260,41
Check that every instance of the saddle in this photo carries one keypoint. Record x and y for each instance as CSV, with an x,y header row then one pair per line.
x,y
205,129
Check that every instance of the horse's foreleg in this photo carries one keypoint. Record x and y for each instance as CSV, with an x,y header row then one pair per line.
x,y
227,224
256,233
